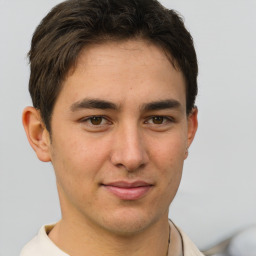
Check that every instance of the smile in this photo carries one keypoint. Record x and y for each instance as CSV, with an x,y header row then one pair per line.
x,y
128,191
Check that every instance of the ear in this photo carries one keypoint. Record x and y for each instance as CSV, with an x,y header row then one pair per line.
x,y
37,134
192,127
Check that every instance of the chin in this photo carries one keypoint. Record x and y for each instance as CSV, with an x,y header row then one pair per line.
x,y
128,222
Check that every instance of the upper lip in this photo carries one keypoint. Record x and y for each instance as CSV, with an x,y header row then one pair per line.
x,y
126,184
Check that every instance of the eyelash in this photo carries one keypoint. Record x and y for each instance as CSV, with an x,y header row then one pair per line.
x,y
90,118
166,119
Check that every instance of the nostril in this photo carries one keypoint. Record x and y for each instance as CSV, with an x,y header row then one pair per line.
x,y
127,162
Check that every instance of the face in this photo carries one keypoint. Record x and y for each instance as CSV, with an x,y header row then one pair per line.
x,y
119,136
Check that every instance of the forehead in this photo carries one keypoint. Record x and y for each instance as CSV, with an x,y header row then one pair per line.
x,y
112,52
118,70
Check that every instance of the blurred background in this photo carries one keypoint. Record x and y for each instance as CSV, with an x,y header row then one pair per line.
x,y
217,196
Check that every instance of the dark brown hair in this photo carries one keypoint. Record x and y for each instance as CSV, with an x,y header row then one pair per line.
x,y
73,24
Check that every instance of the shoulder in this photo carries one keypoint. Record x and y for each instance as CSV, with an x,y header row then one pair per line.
x,y
189,247
41,245
30,248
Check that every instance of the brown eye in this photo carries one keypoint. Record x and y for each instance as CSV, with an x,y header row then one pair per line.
x,y
96,120
96,123
158,119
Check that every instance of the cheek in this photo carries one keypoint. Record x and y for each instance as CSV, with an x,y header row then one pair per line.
x,y
168,157
79,149
77,161
169,152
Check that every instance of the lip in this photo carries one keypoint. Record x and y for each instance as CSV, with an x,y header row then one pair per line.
x,y
128,190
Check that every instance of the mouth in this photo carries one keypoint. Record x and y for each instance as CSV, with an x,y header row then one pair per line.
x,y
128,190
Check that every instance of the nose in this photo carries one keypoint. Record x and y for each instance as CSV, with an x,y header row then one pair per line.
x,y
128,149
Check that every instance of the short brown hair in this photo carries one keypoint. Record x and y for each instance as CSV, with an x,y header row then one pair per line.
x,y
73,24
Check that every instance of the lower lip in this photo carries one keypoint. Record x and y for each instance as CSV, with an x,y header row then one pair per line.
x,y
129,193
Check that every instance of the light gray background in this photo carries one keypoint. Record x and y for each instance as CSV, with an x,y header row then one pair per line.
x,y
218,193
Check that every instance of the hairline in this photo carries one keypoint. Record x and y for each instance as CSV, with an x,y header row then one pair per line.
x,y
114,39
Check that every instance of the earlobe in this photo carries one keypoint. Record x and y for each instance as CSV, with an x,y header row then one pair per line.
x,y
192,128
37,134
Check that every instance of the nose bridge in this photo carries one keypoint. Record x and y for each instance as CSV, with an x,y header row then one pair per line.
x,y
129,148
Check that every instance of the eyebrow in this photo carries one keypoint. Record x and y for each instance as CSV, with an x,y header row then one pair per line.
x,y
162,104
93,103
103,104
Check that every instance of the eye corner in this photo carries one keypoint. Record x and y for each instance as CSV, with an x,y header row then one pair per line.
x,y
159,120
95,123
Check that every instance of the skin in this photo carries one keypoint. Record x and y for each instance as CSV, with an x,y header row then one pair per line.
x,y
132,139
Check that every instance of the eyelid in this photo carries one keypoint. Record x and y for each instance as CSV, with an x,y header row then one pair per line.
x,y
88,118
168,119
85,121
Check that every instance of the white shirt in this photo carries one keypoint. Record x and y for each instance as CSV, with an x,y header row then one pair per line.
x,y
42,245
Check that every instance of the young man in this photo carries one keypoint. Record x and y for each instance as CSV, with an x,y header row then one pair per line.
x,y
113,84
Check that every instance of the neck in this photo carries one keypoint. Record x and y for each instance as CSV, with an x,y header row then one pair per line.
x,y
78,240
